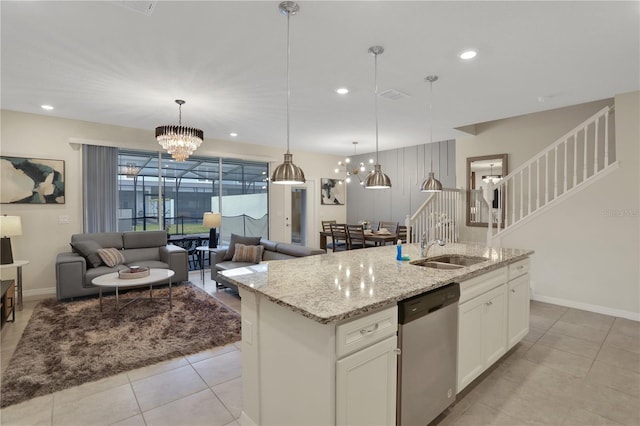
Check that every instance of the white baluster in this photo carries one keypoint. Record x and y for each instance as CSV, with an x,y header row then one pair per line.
x,y
555,172
606,139
584,165
529,191
546,178
595,148
575,159
564,173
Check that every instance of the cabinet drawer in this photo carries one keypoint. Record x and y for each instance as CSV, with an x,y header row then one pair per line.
x,y
482,283
518,268
362,332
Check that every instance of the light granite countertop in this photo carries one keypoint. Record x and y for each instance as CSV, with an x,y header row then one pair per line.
x,y
335,286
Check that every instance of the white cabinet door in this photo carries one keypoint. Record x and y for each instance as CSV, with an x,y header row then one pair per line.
x,y
494,325
518,309
470,357
366,385
482,334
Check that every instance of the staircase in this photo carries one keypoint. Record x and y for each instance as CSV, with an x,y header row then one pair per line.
x,y
580,157
438,217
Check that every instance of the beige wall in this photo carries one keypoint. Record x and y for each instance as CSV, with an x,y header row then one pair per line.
x,y
586,255
40,136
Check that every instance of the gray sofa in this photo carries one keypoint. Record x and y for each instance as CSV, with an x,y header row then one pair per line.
x,y
273,250
147,248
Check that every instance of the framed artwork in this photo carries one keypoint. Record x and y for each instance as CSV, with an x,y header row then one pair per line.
x,y
332,191
31,181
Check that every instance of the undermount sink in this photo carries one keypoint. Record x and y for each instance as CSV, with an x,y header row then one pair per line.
x,y
448,261
457,259
435,265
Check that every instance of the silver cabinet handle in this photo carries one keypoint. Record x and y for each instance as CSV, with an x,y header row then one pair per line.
x,y
520,267
397,351
513,290
369,330
489,303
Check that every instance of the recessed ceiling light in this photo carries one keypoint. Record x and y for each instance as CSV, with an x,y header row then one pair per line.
x,y
47,107
468,54
342,91
233,134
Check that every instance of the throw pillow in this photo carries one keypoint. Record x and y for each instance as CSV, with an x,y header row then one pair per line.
x,y
245,253
89,250
111,256
239,239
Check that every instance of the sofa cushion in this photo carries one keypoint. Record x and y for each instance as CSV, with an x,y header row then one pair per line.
x,y
268,244
274,255
244,253
99,271
133,256
105,239
111,256
223,266
89,250
157,264
239,239
297,251
144,239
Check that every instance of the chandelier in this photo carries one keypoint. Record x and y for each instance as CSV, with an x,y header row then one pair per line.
x,y
352,169
491,178
179,141
130,170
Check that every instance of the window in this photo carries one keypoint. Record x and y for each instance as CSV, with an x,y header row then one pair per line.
x,y
157,192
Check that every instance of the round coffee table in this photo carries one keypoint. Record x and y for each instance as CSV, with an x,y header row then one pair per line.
x,y
113,280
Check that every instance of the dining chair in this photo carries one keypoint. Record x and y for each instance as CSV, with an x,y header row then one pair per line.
x,y
402,233
392,227
339,236
325,225
356,237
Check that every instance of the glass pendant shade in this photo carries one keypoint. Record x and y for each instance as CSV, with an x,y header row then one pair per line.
x,y
431,184
288,173
179,141
376,179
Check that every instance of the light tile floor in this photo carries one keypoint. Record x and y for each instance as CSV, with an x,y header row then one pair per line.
x,y
574,368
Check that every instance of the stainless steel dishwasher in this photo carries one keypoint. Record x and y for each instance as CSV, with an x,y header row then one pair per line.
x,y
428,340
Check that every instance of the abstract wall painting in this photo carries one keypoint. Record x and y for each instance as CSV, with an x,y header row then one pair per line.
x,y
31,181
333,192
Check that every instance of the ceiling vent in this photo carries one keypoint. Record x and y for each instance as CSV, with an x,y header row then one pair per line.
x,y
393,94
142,6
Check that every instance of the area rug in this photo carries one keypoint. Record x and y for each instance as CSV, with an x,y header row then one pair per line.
x,y
66,344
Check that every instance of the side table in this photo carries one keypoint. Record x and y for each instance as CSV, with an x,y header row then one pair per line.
x,y
8,301
201,251
18,264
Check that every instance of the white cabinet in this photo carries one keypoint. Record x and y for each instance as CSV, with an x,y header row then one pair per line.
x,y
366,385
481,333
296,371
518,290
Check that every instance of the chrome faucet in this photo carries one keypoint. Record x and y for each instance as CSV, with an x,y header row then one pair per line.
x,y
426,245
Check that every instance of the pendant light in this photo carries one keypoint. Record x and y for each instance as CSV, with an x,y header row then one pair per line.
x,y
288,173
376,179
431,184
494,179
179,141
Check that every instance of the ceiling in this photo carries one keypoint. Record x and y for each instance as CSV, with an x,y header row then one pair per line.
x,y
102,62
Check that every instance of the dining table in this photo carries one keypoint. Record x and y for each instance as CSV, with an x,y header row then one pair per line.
x,y
379,238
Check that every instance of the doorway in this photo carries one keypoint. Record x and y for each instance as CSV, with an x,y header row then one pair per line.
x,y
300,214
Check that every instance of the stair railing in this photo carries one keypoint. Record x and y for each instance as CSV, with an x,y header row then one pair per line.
x,y
579,156
437,218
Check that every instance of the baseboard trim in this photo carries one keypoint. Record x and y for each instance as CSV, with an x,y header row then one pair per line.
x,y
634,316
39,293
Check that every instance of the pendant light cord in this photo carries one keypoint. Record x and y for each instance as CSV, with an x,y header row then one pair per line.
x,y
288,84
375,98
431,121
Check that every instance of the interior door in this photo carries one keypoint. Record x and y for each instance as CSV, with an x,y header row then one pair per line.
x,y
300,213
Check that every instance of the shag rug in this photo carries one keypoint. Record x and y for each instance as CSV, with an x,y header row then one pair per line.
x,y
69,343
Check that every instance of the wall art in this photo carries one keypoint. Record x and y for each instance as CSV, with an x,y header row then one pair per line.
x,y
333,191
31,181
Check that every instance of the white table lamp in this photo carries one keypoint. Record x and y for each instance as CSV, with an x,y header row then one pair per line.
x,y
212,221
10,226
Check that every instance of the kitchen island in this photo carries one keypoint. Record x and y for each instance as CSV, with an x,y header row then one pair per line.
x,y
319,332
